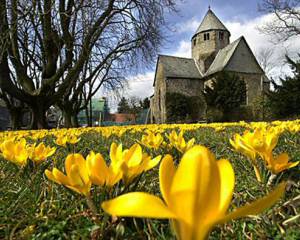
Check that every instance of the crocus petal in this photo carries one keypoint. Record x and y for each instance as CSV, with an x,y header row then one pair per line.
x,y
166,174
115,155
257,206
227,184
134,156
152,163
77,159
198,174
60,177
97,168
50,176
75,177
281,163
137,204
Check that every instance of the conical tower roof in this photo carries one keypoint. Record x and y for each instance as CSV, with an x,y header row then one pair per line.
x,y
211,22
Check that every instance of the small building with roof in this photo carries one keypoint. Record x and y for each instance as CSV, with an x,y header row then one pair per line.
x,y
212,53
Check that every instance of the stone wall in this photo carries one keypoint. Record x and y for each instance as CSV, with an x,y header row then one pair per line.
x,y
157,102
253,84
188,87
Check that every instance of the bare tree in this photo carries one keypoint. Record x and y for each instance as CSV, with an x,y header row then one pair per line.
x,y
286,21
267,60
46,44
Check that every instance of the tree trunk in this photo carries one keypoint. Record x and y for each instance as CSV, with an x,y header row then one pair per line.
x,y
70,118
38,120
15,118
74,120
91,114
67,119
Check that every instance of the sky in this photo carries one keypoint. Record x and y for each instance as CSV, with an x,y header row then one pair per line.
x,y
241,17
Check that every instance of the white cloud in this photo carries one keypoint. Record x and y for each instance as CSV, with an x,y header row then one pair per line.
x,y
183,50
189,26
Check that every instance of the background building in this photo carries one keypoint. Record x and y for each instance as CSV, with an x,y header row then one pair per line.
x,y
212,53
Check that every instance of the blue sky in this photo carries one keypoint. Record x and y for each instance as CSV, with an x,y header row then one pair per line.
x,y
240,17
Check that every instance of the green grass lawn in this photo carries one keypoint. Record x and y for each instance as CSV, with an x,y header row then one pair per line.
x,y
33,207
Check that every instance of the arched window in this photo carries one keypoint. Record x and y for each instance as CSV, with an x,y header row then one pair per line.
x,y
206,36
221,35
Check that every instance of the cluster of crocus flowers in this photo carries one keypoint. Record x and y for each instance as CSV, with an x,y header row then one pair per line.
x,y
101,174
178,141
81,173
19,151
152,140
63,139
196,195
15,151
76,178
262,142
40,152
131,162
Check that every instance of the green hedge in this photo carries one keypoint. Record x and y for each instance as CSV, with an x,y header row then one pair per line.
x,y
182,108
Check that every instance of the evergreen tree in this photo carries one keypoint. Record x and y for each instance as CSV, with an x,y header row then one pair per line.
x,y
285,99
226,92
145,103
123,106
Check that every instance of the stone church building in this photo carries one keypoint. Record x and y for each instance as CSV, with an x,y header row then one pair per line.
x,y
212,53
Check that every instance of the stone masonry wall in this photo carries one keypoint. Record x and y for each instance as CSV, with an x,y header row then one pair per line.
x,y
253,85
188,87
157,103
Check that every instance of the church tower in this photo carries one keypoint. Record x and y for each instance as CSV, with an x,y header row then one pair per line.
x,y
210,37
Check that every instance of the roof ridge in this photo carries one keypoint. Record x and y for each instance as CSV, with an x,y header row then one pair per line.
x,y
228,51
164,55
201,73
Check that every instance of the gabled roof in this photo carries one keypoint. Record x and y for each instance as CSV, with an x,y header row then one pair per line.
x,y
222,58
211,22
178,67
229,59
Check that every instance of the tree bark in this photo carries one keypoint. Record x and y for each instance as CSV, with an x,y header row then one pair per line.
x,y
67,118
15,118
38,120
74,120
70,118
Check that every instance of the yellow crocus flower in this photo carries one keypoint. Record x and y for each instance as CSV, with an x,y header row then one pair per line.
x,y
61,140
99,173
131,162
196,195
152,140
179,142
15,151
77,177
240,144
262,142
41,152
279,163
73,139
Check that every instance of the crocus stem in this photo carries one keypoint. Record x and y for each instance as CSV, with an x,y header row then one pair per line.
x,y
271,179
257,173
93,208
